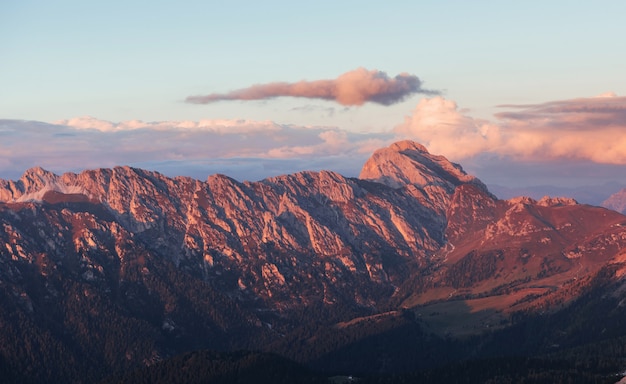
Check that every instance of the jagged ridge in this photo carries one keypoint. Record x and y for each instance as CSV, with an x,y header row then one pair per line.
x,y
413,230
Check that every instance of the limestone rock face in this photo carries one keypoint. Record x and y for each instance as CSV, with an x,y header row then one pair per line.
x,y
407,162
128,265
413,227
302,237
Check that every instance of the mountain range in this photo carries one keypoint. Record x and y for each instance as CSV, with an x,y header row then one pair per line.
x,y
616,201
591,194
407,272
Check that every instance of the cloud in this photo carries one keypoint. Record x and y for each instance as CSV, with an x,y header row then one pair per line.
x,y
543,141
323,111
444,129
584,129
601,111
334,142
351,88
229,126
244,149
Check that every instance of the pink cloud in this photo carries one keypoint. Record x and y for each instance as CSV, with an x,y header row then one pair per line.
x,y
598,112
221,126
241,148
444,129
351,88
585,128
334,142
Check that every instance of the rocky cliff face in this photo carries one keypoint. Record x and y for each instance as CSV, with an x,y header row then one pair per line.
x,y
407,163
305,237
295,239
186,259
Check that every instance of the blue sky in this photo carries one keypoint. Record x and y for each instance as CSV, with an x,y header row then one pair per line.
x,y
126,60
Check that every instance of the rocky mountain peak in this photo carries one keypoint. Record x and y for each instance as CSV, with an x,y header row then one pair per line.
x,y
408,145
35,180
616,201
406,162
548,201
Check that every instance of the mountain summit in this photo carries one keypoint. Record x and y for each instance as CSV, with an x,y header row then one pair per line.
x,y
616,201
184,264
407,162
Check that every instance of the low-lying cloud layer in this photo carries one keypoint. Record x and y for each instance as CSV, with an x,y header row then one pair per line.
x,y
584,129
352,88
243,149
578,141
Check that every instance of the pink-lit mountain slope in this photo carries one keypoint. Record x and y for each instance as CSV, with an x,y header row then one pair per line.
x,y
314,236
224,264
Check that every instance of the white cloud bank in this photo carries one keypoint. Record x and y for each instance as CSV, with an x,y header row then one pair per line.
x,y
438,124
558,141
243,149
222,126
591,129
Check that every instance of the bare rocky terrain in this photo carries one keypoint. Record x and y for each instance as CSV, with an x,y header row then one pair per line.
x,y
114,269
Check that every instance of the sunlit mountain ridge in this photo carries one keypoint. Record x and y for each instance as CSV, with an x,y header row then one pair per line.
x,y
411,266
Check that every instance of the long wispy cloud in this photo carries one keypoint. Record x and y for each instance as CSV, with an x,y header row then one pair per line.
x,y
351,88
583,129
